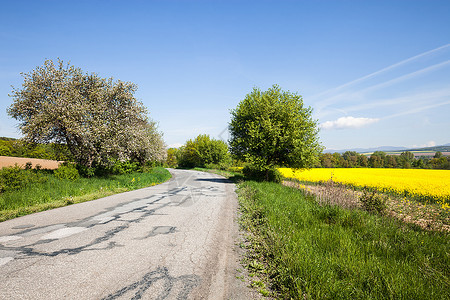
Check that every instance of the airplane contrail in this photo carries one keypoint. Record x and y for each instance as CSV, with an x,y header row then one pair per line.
x,y
398,79
417,110
403,62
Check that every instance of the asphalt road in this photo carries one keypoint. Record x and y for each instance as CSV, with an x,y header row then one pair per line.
x,y
176,240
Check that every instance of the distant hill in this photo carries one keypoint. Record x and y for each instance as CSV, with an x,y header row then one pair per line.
x,y
442,148
366,150
7,139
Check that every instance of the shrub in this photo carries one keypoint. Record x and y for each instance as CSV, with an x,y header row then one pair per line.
x,y
116,167
373,202
203,151
11,178
14,178
124,167
171,159
223,165
257,173
4,149
85,171
67,171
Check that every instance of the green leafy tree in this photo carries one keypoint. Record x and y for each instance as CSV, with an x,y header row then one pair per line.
x,y
351,157
391,161
203,151
274,128
406,159
5,149
440,163
347,154
98,119
363,161
377,159
419,163
171,159
326,160
337,160
20,148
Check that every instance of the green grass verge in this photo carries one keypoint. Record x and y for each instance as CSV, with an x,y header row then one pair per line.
x,y
56,193
326,252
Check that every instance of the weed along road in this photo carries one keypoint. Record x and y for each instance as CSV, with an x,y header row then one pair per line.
x,y
171,241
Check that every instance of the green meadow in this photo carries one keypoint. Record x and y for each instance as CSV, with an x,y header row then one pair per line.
x,y
298,249
46,191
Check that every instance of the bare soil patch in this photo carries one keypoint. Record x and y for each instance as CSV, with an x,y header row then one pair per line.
x,y
8,161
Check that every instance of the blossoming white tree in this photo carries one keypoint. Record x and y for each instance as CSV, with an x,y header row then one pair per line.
x,y
99,119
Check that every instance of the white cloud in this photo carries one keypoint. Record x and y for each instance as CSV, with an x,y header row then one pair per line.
x,y
348,122
175,145
428,144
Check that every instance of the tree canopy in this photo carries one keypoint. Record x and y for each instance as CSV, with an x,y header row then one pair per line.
x,y
98,119
203,151
274,128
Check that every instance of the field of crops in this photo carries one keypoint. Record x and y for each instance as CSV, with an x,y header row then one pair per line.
x,y
8,161
431,186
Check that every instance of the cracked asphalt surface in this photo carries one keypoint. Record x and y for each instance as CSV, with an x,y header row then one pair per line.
x,y
176,240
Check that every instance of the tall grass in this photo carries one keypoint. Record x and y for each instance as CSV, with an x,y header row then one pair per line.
x,y
317,251
54,192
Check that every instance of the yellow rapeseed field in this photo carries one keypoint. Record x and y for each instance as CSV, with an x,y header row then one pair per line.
x,y
425,185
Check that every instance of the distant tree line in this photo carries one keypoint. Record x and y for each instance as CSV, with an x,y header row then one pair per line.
x,y
203,151
19,148
379,159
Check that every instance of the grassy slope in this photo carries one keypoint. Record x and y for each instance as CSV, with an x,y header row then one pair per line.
x,y
56,193
311,251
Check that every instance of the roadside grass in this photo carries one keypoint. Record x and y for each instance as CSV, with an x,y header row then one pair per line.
x,y
54,192
308,250
429,216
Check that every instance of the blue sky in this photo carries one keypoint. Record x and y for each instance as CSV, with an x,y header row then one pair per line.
x,y
375,72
